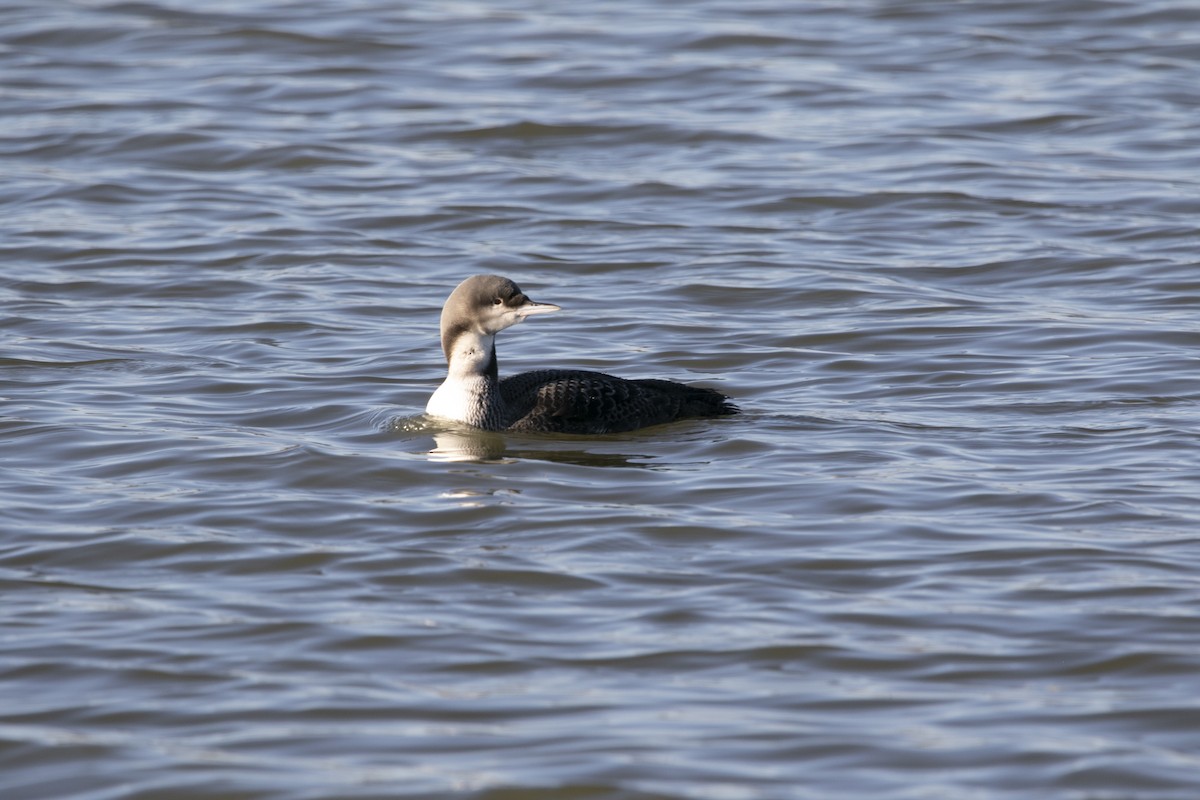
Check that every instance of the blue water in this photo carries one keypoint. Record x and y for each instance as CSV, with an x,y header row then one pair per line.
x,y
943,255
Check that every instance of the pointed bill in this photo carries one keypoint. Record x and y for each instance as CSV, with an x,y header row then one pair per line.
x,y
530,308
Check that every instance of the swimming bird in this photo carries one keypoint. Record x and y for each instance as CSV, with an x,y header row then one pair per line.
x,y
547,400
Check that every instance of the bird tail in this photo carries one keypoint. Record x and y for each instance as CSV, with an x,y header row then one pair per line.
x,y
694,401
701,402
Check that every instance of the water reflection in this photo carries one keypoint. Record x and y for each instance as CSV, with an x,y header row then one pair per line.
x,y
467,445
475,445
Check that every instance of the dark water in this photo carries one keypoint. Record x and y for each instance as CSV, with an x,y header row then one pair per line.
x,y
943,254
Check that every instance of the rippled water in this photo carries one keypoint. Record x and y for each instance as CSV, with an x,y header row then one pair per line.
x,y
944,255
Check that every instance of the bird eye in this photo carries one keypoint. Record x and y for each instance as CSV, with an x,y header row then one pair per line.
x,y
497,302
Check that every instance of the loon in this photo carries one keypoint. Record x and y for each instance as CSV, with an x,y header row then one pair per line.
x,y
545,400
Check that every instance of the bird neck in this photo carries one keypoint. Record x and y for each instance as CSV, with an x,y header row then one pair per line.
x,y
470,394
472,354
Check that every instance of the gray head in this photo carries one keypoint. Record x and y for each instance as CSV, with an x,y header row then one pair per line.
x,y
485,305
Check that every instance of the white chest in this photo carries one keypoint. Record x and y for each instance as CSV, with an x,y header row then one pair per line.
x,y
459,399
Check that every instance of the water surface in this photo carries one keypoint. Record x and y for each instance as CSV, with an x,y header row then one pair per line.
x,y
942,254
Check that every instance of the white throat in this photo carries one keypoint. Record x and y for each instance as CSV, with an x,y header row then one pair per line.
x,y
470,354
463,394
